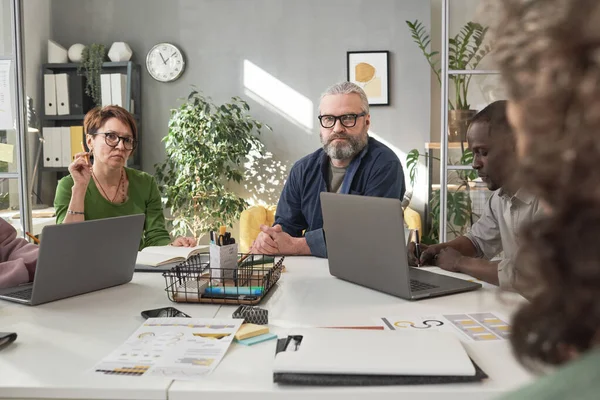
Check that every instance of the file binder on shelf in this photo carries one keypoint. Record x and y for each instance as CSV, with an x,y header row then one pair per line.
x,y
49,94
62,94
105,89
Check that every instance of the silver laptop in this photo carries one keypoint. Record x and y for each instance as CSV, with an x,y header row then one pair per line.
x,y
366,246
81,257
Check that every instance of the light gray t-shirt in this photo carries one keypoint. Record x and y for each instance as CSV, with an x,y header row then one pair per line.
x,y
335,178
498,228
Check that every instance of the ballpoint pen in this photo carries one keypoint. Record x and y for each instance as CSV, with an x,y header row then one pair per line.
x,y
417,247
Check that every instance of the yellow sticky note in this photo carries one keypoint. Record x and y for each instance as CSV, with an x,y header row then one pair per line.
x,y
502,328
466,322
250,330
7,152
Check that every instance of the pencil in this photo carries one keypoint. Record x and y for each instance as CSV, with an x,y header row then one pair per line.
x,y
87,159
35,240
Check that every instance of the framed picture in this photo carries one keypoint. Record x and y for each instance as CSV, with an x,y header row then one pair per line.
x,y
369,70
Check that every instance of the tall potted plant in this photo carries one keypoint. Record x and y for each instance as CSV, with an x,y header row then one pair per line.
x,y
206,146
465,51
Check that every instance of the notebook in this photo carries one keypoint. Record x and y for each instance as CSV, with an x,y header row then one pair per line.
x,y
341,357
157,256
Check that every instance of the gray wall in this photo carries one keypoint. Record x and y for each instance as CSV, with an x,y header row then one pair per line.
x,y
301,43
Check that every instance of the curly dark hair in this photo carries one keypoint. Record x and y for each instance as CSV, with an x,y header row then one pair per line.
x,y
548,52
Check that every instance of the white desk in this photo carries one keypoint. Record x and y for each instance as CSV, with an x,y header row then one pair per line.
x,y
59,342
308,296
38,223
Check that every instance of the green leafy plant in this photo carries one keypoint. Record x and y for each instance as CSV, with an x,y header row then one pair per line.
x,y
207,146
92,58
460,215
465,51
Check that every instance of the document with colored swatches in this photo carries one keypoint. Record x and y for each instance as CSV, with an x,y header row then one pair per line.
x,y
470,327
177,348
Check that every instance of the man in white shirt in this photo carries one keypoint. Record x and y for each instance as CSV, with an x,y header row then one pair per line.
x,y
491,139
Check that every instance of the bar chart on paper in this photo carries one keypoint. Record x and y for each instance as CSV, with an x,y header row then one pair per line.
x,y
478,327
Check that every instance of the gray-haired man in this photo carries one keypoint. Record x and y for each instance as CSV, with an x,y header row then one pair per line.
x,y
350,162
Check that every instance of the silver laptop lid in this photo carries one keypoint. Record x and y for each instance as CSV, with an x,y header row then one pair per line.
x,y
81,257
365,241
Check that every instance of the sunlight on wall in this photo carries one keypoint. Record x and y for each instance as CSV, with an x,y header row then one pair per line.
x,y
401,155
278,97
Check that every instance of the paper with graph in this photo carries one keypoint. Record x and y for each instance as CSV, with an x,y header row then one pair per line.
x,y
476,327
177,348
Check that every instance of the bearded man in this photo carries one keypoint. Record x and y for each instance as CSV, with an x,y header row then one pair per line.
x,y
350,162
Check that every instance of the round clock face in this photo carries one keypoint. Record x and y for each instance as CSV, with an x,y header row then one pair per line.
x,y
165,62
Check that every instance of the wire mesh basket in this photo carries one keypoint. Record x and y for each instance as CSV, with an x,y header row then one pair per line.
x,y
195,281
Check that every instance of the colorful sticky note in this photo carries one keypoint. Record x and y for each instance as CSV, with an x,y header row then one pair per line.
x,y
257,339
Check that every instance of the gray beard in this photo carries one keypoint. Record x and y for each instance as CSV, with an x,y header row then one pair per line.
x,y
346,150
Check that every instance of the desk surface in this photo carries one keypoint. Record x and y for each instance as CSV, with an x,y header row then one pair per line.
x,y
308,296
60,342
38,223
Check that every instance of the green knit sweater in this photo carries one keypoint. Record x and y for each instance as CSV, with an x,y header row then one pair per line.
x,y
577,380
144,198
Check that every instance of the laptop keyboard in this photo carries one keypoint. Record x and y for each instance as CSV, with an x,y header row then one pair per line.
x,y
24,294
417,286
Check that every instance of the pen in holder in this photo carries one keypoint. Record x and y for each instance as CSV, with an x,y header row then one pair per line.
x,y
223,262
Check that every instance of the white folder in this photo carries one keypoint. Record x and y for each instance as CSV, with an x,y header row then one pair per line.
x,y
50,94
363,352
62,94
47,147
105,90
56,147
118,88
65,146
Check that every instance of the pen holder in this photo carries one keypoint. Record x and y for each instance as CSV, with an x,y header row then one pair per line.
x,y
223,262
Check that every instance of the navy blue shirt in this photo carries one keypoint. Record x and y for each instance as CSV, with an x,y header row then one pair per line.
x,y
376,171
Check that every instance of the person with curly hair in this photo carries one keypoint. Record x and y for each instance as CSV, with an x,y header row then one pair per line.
x,y
548,52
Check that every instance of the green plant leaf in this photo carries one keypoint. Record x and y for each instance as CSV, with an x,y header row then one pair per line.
x,y
412,163
207,146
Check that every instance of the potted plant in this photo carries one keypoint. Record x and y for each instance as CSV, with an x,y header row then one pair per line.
x,y
460,215
206,146
92,58
466,50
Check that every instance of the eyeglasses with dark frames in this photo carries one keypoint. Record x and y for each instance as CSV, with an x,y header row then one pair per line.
x,y
112,140
348,120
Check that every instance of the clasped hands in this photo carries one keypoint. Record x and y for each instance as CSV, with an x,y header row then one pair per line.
x,y
273,240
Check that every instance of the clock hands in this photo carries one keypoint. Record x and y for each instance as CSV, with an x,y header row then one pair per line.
x,y
169,56
163,59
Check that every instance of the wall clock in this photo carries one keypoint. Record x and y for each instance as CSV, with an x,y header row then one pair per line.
x,y
165,62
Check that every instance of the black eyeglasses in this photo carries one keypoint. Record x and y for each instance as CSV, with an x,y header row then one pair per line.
x,y
348,120
112,140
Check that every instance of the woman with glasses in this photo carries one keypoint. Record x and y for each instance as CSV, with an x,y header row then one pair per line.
x,y
106,188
